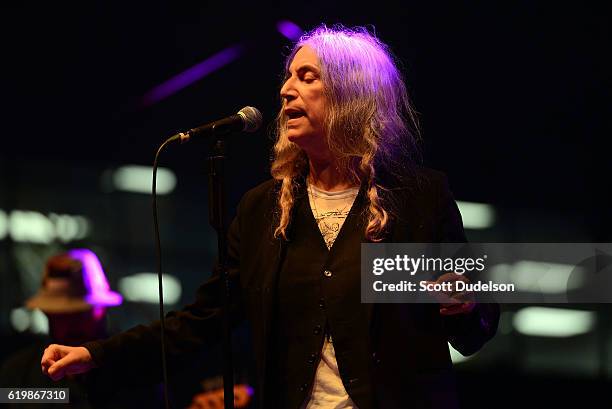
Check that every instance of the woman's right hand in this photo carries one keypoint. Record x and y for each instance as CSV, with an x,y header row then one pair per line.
x,y
61,360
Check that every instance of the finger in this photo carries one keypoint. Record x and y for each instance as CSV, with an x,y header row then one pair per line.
x,y
441,298
48,355
57,370
454,299
461,297
451,278
450,310
446,277
434,292
462,308
47,361
46,365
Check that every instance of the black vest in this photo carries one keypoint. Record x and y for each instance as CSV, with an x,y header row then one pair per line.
x,y
318,290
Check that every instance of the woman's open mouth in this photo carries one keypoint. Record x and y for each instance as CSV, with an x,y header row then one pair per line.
x,y
293,115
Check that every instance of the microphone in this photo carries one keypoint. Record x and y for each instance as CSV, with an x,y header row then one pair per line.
x,y
248,119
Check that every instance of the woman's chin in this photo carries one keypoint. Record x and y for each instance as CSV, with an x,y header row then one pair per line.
x,y
293,137
304,140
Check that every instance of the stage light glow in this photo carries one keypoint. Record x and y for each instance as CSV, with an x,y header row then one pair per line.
x,y
538,276
98,290
193,74
289,29
139,179
20,319
553,322
39,323
4,224
27,226
456,356
476,215
66,227
83,227
30,226
143,287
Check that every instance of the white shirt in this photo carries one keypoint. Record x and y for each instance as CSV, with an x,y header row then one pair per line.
x,y
330,209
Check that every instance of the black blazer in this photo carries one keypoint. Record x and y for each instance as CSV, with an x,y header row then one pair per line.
x,y
410,361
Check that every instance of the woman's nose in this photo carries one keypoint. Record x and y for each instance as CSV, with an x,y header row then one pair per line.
x,y
287,91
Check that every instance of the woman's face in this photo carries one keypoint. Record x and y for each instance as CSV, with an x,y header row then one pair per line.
x,y
304,103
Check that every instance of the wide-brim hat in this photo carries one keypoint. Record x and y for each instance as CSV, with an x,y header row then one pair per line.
x,y
74,282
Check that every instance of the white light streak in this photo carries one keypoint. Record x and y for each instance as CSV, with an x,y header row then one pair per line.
x,y
539,276
143,287
28,226
139,179
553,322
476,215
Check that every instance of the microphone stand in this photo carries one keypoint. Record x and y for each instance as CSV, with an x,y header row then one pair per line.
x,y
217,216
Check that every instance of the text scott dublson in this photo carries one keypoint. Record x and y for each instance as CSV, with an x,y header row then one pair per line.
x,y
408,286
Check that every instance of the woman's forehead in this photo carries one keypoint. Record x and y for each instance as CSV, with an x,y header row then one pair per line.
x,y
305,55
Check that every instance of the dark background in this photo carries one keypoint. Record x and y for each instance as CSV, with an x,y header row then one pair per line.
x,y
514,100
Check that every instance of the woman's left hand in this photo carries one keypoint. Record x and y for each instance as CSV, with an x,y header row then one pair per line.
x,y
454,302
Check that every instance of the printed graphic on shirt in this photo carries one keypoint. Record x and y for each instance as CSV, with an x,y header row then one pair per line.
x,y
330,210
330,223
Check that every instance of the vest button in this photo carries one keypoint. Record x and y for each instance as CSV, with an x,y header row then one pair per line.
x,y
317,330
321,303
327,273
376,358
303,387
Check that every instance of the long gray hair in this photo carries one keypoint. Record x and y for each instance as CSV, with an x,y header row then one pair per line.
x,y
371,128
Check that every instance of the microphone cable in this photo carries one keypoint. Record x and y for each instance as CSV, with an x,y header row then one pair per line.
x,y
159,269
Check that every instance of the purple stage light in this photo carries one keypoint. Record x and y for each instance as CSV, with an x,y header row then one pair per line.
x,y
289,29
98,290
193,74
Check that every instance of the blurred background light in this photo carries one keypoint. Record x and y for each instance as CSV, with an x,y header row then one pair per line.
x,y
20,319
33,320
139,179
99,292
476,215
27,226
143,287
456,356
538,276
553,322
289,29
31,226
4,226
39,323
193,74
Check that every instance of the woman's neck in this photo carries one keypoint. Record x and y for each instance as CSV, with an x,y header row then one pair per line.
x,y
326,175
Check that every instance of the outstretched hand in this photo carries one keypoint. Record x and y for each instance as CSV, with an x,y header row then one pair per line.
x,y
61,360
454,302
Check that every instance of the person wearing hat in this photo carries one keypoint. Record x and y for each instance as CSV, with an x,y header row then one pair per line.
x,y
74,296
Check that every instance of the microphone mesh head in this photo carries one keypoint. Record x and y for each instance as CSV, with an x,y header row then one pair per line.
x,y
252,118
